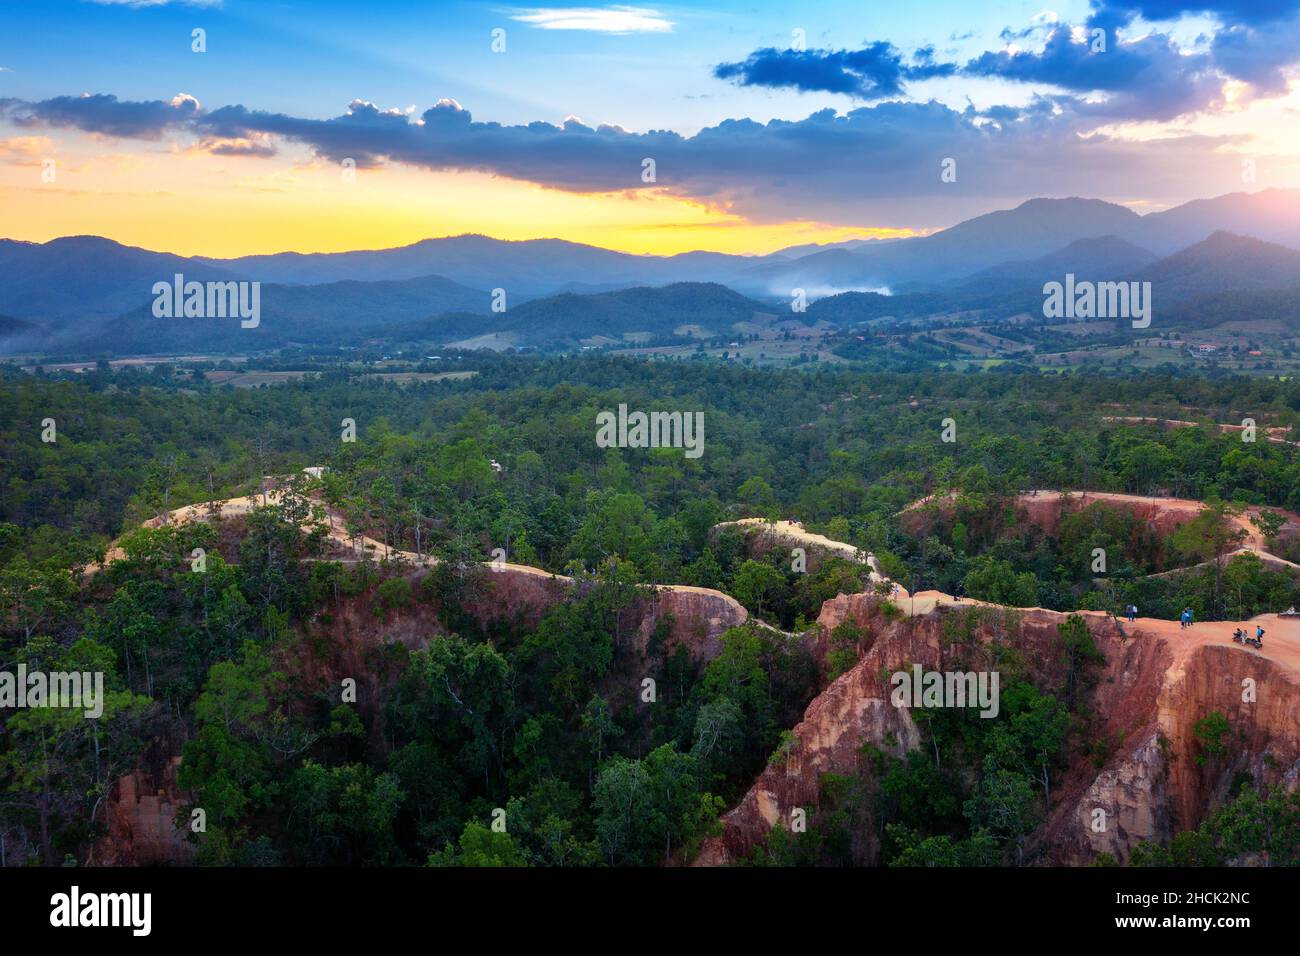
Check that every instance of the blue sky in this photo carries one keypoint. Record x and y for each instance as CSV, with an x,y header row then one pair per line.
x,y
313,58
844,129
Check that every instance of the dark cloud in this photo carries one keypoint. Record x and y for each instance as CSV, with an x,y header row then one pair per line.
x,y
877,71
1146,78
1229,12
262,149
102,113
879,164
1262,57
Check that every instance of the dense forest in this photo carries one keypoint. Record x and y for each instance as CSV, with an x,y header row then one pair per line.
x,y
537,721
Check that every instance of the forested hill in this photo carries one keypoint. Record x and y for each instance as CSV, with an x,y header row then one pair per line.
x,y
816,444
481,691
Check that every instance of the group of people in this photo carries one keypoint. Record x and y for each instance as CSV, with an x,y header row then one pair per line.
x,y
1240,636
1186,619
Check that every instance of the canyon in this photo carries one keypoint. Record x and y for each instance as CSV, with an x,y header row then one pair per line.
x,y
1156,681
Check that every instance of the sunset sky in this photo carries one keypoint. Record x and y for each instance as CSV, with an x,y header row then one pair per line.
x,y
769,124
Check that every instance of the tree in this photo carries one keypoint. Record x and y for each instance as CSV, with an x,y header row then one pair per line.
x,y
755,583
645,808
32,597
599,728
1210,732
758,494
1004,803
342,815
480,846
997,581
59,764
1269,523
719,736
1209,537
1079,649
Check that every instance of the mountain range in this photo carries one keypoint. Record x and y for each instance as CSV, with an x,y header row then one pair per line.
x,y
93,294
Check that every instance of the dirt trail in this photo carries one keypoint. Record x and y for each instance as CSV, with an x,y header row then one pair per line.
x,y
1281,632
1281,642
1254,539
1254,542
337,533
795,531
1273,432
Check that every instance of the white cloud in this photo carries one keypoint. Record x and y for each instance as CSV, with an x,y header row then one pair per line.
x,y
139,4
615,19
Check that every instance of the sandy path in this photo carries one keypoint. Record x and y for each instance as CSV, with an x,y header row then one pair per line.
x,y
794,531
1272,432
1254,539
1281,634
1281,640
337,533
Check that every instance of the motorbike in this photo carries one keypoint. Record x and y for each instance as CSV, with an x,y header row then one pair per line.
x,y
1240,637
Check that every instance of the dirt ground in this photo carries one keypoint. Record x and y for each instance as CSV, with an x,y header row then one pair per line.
x,y
1281,637
1281,634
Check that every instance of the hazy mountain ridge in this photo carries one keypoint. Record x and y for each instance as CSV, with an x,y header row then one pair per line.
x,y
78,277
1104,257
336,313
568,319
70,291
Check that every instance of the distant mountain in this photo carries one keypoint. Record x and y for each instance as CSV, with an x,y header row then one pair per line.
x,y
848,309
335,313
569,319
71,289
1106,257
1275,311
1034,228
80,277
1210,272
16,334
530,267
1272,215
1224,262
808,248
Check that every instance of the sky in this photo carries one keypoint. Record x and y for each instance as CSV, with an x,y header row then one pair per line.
x,y
737,127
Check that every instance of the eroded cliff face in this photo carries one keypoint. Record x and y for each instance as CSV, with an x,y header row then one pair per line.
x,y
853,712
695,618
699,617
346,639
140,815
1143,776
1043,510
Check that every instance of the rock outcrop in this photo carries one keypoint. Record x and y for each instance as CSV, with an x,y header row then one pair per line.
x,y
1146,775
141,816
